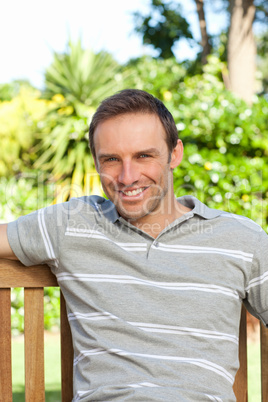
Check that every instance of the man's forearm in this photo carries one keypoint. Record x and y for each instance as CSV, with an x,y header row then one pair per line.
x,y
5,249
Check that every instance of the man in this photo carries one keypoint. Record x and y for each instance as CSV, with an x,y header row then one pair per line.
x,y
153,285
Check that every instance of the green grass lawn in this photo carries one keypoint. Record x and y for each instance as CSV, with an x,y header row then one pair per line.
x,y
254,372
52,370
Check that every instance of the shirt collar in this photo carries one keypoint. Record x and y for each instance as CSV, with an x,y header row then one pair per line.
x,y
107,208
198,208
104,207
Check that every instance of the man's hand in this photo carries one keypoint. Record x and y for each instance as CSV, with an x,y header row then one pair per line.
x,y
5,249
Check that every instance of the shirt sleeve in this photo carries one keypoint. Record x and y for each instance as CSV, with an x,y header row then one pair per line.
x,y
257,286
35,238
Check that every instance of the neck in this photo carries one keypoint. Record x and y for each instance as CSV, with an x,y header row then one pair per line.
x,y
153,224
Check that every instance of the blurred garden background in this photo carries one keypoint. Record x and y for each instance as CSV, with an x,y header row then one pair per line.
x,y
213,80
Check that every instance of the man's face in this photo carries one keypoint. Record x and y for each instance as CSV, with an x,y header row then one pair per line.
x,y
134,164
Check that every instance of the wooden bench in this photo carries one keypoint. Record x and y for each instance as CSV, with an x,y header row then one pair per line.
x,y
33,280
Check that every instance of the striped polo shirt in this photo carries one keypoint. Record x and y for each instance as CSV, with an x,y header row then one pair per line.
x,y
151,319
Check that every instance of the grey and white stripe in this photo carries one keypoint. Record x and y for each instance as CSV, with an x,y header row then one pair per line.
x,y
157,328
144,385
127,279
257,281
45,235
206,364
248,221
214,398
204,250
95,234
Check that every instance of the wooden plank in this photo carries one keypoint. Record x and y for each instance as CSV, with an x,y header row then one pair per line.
x,y
14,274
34,344
5,346
241,386
66,355
264,363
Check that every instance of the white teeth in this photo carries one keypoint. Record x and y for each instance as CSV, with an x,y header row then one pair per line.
x,y
134,192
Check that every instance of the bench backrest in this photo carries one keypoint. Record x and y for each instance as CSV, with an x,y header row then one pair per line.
x,y
33,280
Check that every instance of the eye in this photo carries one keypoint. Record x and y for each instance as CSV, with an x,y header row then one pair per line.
x,y
144,156
112,159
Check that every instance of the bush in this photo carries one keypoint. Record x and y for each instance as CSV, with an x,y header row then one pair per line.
x,y
19,119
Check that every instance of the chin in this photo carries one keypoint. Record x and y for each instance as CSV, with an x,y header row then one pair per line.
x,y
131,216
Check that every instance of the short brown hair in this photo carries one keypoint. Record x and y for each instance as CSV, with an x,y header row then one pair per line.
x,y
134,101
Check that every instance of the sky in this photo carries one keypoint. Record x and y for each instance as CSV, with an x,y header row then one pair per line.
x,y
30,31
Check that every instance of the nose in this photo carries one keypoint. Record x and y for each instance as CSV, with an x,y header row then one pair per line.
x,y
129,173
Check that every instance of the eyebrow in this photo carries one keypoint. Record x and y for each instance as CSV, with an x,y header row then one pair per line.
x,y
107,156
153,151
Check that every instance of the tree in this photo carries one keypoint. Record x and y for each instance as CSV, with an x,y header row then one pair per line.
x,y
241,48
205,43
163,27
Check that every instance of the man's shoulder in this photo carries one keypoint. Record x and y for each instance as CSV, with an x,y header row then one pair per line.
x,y
242,222
220,217
93,204
87,201
93,201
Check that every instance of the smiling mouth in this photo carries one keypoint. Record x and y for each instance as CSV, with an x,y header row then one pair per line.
x,y
132,193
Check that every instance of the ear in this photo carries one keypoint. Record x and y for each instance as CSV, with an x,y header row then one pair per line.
x,y
176,155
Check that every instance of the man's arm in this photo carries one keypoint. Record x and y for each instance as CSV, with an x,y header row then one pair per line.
x,y
5,249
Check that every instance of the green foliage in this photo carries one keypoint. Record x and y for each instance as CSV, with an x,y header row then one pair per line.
x,y
82,76
163,27
159,77
51,309
17,311
63,151
23,194
77,81
19,119
262,63
10,90
261,11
